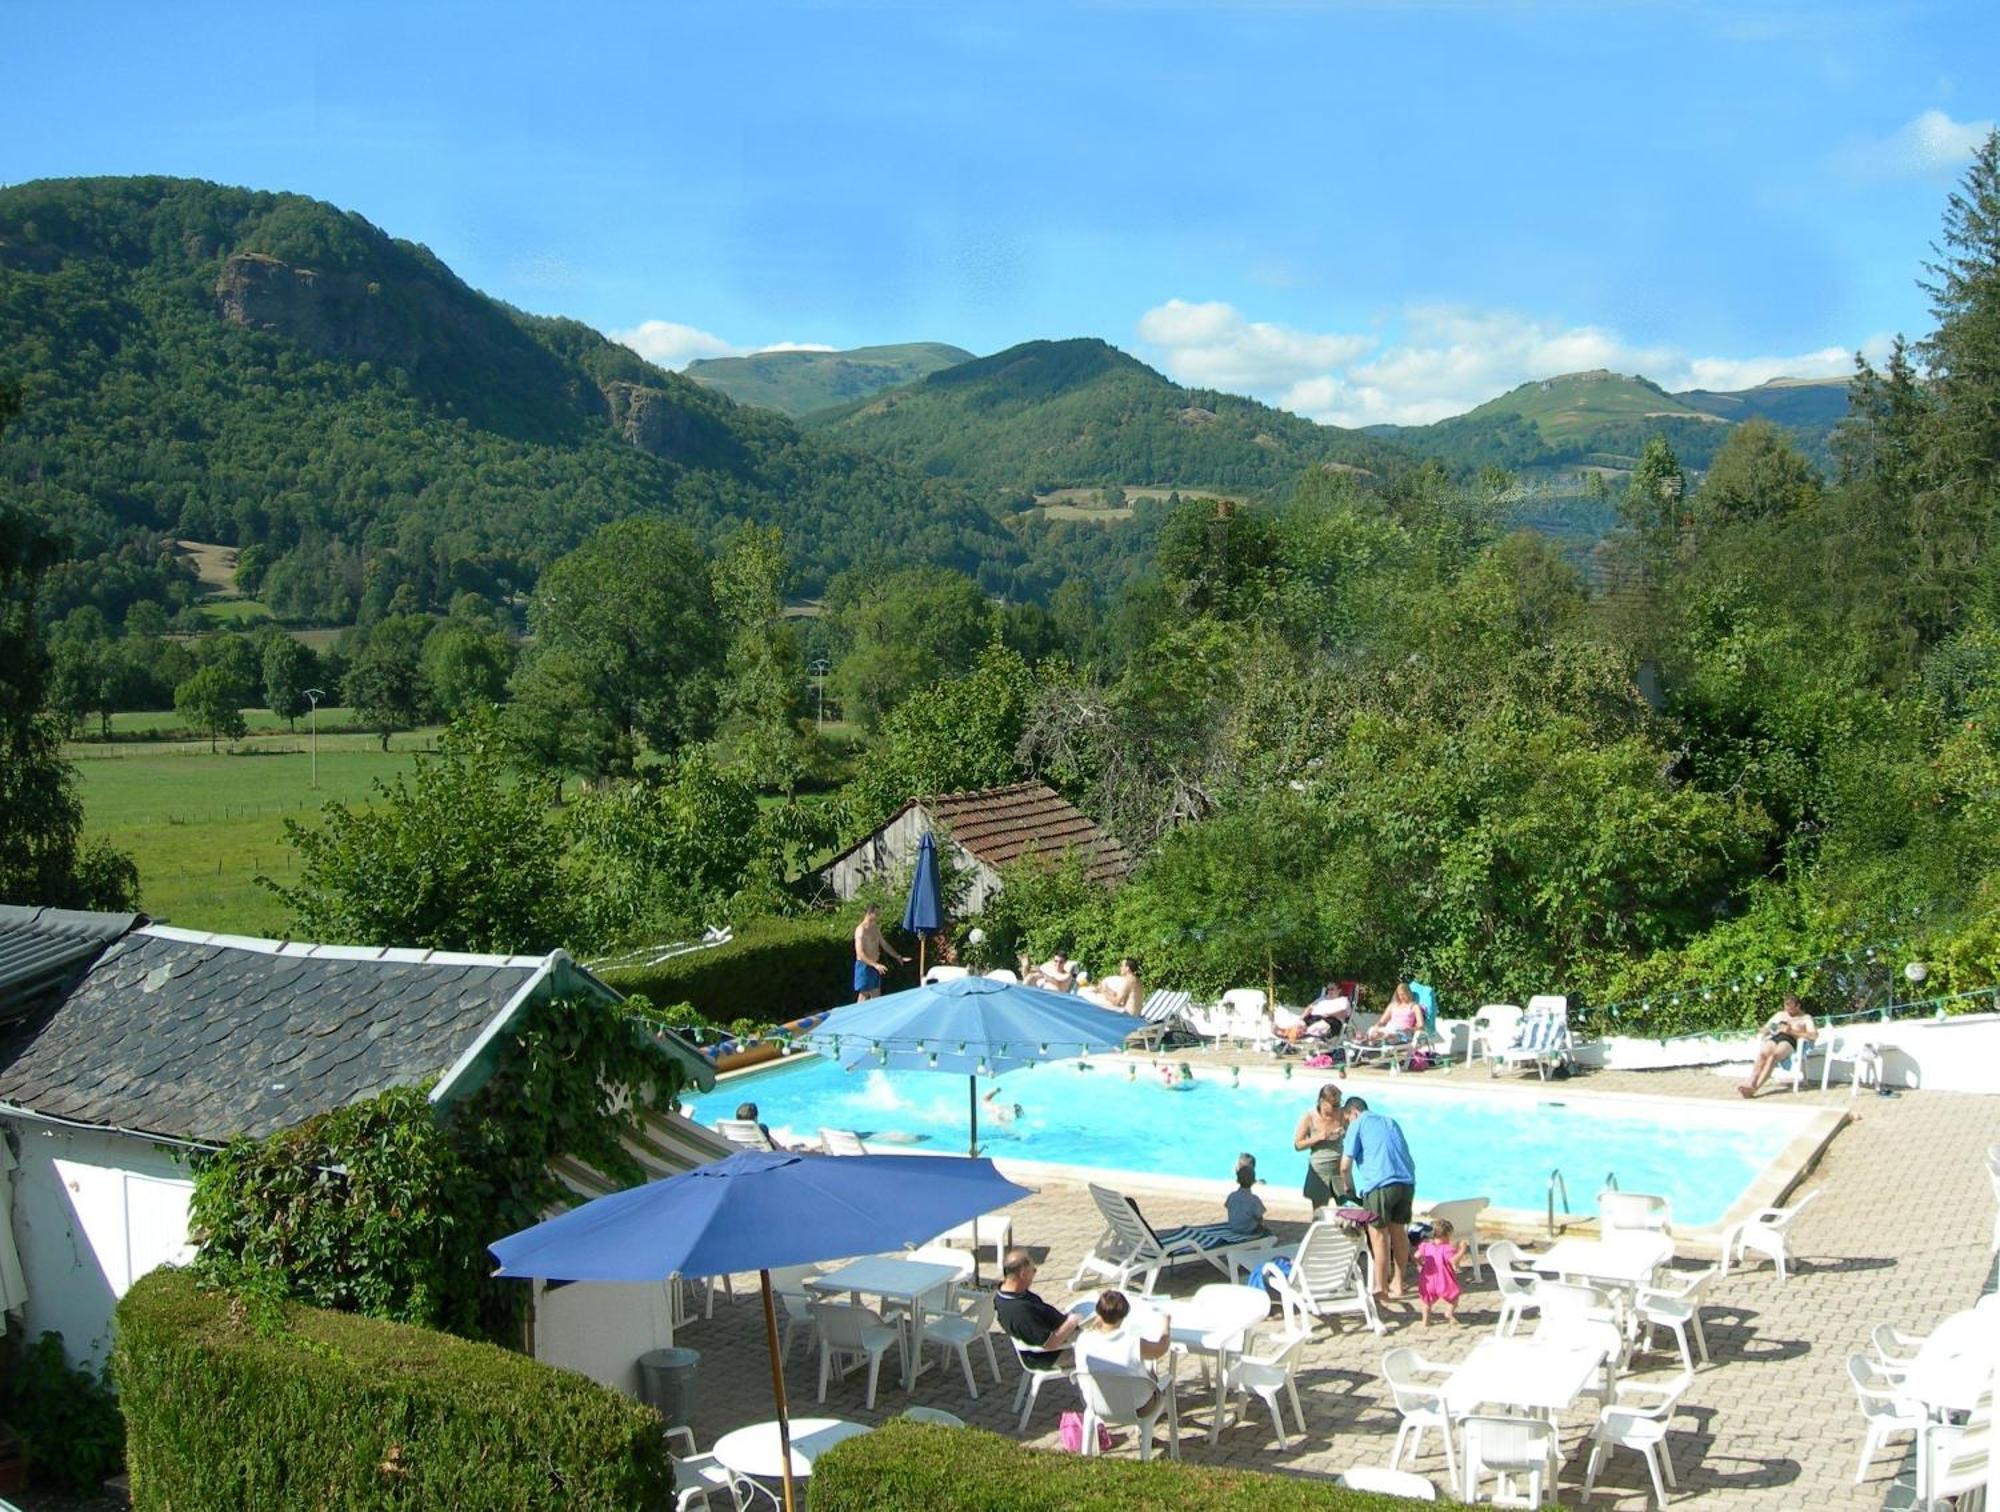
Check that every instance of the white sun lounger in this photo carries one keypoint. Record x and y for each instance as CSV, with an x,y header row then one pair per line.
x,y
1542,1040
1164,1012
1130,1246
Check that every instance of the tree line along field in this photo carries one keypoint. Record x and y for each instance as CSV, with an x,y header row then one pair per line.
x,y
203,826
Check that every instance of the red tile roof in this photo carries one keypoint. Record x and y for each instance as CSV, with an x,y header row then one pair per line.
x,y
999,825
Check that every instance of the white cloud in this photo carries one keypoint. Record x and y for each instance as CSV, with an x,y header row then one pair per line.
x,y
1213,346
673,345
1443,360
1931,146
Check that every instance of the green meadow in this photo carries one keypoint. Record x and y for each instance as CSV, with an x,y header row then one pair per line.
x,y
203,827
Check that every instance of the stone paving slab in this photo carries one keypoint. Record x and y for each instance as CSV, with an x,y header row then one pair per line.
x,y
1900,1235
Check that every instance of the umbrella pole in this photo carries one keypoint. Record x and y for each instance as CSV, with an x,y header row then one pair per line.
x,y
972,1104
778,1386
922,938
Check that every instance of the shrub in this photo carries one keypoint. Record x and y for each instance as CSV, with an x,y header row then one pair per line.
x,y
921,1467
773,970
67,1418
233,1404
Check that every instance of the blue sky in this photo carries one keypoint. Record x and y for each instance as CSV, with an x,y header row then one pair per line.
x,y
1368,211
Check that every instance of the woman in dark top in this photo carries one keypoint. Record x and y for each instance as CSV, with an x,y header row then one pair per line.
x,y
1319,1134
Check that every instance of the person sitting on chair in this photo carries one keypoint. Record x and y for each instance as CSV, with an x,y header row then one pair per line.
x,y
1114,1345
1057,973
1120,991
1402,1018
1787,1032
1027,1318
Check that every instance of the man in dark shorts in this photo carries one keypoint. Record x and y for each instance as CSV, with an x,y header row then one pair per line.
x,y
869,948
1375,1159
1029,1319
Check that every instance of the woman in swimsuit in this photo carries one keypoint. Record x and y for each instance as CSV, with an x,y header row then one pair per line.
x,y
1319,1134
1788,1031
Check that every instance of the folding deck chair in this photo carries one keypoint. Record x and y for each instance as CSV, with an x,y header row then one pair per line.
x,y
1130,1246
1165,1013
1541,1041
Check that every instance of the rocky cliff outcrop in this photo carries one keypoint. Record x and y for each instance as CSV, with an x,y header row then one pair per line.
x,y
335,315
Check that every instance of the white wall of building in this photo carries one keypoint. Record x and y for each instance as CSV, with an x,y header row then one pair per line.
x,y
93,1212
600,1330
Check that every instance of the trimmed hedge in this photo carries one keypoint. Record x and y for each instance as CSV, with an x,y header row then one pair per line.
x,y
774,970
232,1402
922,1467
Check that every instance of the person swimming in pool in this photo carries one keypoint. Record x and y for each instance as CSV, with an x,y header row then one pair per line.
x,y
1001,1113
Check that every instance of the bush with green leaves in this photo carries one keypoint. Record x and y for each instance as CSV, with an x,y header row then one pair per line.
x,y
67,1417
772,970
922,1467
234,1403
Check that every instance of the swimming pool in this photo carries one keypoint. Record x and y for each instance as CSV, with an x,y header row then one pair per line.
x,y
1498,1141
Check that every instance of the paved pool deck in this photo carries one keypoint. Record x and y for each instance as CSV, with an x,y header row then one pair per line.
x,y
1900,1234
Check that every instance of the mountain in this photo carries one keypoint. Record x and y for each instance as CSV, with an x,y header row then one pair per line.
x,y
797,383
268,372
1604,419
1050,415
1802,403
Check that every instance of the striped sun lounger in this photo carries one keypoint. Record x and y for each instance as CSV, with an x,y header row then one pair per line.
x,y
1132,1247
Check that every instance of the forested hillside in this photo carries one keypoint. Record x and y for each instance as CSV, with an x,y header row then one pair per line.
x,y
268,372
1058,414
797,383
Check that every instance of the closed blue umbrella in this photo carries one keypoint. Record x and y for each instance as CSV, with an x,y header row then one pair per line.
x,y
974,1026
924,912
751,1211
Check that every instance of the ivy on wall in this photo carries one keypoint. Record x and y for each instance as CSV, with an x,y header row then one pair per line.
x,y
386,1207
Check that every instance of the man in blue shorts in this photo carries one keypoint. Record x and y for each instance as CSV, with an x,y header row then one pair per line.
x,y
1375,1160
869,948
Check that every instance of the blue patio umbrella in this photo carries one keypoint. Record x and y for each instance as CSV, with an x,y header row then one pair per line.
x,y
924,912
972,1027
751,1211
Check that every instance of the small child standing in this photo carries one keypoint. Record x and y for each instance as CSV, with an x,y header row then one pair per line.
x,y
1245,1207
1438,1260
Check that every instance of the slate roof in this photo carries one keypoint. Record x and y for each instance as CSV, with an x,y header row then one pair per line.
x,y
202,1037
998,825
43,949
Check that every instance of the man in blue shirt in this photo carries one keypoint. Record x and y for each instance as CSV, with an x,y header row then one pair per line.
x,y
1375,1160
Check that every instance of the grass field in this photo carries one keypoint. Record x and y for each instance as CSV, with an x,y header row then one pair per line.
x,y
202,827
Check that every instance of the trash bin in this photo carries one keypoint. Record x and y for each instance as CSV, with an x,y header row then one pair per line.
x,y
666,1383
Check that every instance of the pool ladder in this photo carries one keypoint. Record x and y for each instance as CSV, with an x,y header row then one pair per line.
x,y
1557,1184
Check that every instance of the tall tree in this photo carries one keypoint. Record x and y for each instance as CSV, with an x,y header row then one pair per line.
x,y
1963,353
209,702
288,672
904,631
43,858
634,608
385,686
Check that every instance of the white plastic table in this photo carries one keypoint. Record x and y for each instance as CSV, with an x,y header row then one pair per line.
x,y
1519,1374
1213,1321
1628,1261
752,1452
904,1281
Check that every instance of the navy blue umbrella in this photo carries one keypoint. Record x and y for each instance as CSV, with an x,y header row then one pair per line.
x,y
751,1211
925,910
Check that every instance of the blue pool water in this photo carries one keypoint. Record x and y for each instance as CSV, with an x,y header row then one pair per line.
x,y
1499,1143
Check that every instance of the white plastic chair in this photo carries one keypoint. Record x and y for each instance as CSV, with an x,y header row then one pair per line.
x,y
1244,1018
957,1332
1422,1406
745,1133
1510,1447
1633,1213
1329,1277
841,1142
945,974
1764,1232
1676,1307
1033,1377
852,1332
1493,1028
994,1231
1403,1483
1517,1283
1623,1426
1267,1372
1002,974
698,1474
1862,1055
1463,1216
788,1288
1884,1409
1895,1351
1116,1400
934,1415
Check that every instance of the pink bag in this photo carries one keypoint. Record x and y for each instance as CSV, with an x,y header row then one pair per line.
x,y
1071,1432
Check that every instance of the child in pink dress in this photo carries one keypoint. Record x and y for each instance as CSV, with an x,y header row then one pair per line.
x,y
1437,1272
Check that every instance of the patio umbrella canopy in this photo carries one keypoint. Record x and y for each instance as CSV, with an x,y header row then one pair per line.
x,y
972,1027
923,914
751,1211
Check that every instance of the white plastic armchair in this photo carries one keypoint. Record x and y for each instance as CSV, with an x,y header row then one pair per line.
x,y
1895,1351
1517,1282
1884,1409
1267,1371
1625,1425
1765,1233
1463,1215
1421,1404
957,1332
1510,1447
851,1333
1677,1307
1860,1054
1119,1400
1033,1377
1633,1212
1244,1016
698,1474
945,974
1493,1028
788,1286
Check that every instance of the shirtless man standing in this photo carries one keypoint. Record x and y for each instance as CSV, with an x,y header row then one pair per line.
x,y
869,948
